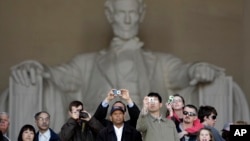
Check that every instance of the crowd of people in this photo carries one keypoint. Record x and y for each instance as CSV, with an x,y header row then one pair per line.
x,y
183,122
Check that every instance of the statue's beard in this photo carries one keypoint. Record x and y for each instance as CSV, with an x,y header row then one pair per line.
x,y
125,34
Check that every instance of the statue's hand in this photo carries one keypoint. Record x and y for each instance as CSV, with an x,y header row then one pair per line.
x,y
203,73
26,72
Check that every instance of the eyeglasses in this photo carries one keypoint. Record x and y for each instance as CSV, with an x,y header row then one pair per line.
x,y
213,117
43,119
3,121
189,113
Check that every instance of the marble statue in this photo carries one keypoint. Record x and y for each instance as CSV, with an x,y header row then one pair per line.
x,y
125,64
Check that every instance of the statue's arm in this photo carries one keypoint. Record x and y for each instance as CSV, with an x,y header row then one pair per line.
x,y
203,72
180,75
66,77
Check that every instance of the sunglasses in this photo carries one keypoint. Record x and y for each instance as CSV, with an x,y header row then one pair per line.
x,y
189,113
213,117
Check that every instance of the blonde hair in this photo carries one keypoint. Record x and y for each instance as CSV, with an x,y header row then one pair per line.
x,y
240,122
210,134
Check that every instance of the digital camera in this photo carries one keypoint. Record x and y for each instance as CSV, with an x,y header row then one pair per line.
x,y
151,99
170,99
117,92
83,115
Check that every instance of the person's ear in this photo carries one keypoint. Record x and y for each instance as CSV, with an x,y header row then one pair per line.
x,y
110,118
124,117
205,118
160,105
36,121
70,114
109,15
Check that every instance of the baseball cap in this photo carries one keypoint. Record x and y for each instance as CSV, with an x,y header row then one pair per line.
x,y
114,108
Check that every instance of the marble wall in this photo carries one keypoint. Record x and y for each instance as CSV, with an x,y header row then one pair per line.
x,y
216,31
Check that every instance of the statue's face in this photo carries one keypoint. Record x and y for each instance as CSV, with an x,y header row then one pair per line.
x,y
126,19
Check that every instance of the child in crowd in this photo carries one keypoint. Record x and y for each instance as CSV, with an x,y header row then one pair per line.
x,y
205,135
27,133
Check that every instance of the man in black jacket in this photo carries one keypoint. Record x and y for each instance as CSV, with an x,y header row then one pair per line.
x,y
118,130
2,138
80,126
102,109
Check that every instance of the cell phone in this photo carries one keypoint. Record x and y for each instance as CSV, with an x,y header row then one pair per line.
x,y
170,99
117,92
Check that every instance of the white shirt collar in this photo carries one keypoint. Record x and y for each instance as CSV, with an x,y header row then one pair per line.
x,y
44,136
5,135
118,132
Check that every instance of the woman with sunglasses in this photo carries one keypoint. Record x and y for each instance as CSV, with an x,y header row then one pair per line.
x,y
207,115
175,112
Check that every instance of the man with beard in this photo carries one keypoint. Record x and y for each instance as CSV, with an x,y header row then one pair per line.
x,y
44,132
189,116
153,125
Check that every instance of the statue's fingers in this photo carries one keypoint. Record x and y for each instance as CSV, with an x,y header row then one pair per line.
x,y
212,75
207,74
202,71
20,76
196,79
25,77
193,82
216,68
32,76
15,76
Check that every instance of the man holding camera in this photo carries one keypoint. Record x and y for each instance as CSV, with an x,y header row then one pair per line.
x,y
102,109
80,126
152,124
118,130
